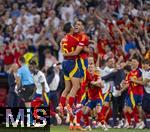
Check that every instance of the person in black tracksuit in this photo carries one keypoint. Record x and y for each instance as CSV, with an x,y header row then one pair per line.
x,y
118,102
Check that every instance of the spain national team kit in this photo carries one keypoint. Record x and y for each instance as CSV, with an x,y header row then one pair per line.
x,y
135,91
70,66
94,93
82,59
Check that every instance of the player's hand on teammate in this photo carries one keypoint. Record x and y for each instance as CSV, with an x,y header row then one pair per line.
x,y
93,83
65,54
132,79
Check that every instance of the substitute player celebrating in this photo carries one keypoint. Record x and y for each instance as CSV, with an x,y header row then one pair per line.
x,y
94,85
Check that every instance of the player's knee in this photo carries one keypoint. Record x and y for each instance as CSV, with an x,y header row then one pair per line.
x,y
129,109
76,86
125,109
86,111
98,109
106,104
66,91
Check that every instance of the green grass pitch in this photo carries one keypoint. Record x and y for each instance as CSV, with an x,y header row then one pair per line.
x,y
65,129
10,129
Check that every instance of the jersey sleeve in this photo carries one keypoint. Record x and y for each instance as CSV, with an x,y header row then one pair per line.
x,y
83,41
41,78
19,73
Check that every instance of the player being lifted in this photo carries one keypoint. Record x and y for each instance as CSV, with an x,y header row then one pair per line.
x,y
74,67
71,71
82,49
81,52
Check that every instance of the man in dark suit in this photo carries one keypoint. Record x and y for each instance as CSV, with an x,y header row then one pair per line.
x,y
12,100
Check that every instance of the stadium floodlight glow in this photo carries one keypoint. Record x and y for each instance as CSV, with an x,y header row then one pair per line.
x,y
21,118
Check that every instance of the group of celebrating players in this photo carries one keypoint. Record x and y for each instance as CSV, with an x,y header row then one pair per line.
x,y
86,94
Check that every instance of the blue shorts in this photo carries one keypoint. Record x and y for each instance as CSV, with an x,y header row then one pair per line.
x,y
133,100
84,101
107,97
83,65
70,69
93,103
46,98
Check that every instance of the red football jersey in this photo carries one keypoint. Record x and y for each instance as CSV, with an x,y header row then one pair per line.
x,y
135,88
94,92
69,43
83,41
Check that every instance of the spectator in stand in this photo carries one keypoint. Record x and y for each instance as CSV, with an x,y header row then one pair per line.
x,y
146,82
15,10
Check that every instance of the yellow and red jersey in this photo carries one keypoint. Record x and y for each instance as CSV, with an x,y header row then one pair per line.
x,y
69,43
135,88
83,40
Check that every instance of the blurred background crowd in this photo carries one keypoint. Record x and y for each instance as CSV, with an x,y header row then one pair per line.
x,y
35,27
117,29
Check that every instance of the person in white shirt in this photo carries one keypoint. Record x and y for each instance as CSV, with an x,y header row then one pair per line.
x,y
109,67
146,82
42,88
146,75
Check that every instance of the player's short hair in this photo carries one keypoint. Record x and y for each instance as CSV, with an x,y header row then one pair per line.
x,y
146,61
32,62
22,59
136,57
127,68
83,22
67,27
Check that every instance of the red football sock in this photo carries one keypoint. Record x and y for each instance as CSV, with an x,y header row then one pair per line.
x,y
79,115
63,101
108,115
71,101
86,119
128,117
71,118
104,110
79,96
135,115
101,117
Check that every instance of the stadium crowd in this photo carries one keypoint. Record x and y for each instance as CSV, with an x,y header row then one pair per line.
x,y
118,44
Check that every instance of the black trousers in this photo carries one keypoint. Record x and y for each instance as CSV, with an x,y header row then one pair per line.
x,y
12,99
54,98
146,102
118,105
